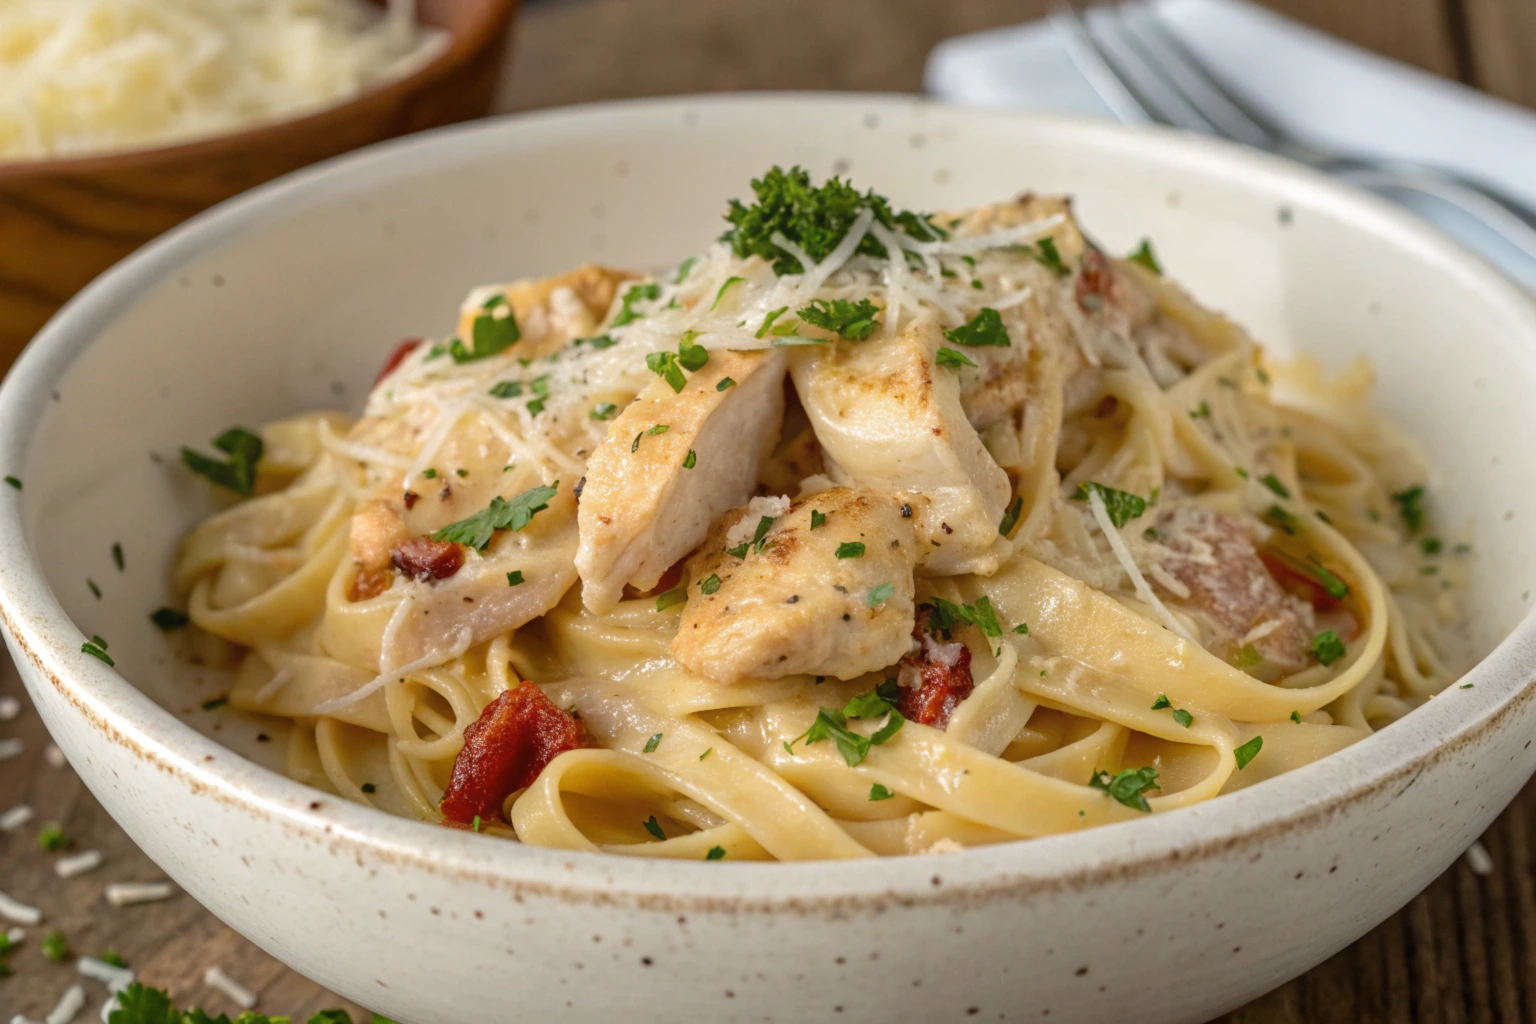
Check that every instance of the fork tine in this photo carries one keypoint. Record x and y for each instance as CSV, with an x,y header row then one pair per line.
x,y
1168,56
1121,78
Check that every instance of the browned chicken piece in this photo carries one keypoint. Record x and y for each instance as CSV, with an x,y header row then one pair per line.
x,y
833,599
791,462
646,503
1213,559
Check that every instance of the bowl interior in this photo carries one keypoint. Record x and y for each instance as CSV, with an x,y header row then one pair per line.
x,y
289,300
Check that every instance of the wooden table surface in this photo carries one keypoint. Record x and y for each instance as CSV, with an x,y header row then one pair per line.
x,y
1463,950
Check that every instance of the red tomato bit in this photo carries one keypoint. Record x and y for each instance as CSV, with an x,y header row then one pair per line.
x,y
512,741
423,558
396,357
938,689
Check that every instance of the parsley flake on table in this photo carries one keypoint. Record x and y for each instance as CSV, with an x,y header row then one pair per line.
x,y
500,514
1122,506
813,218
1129,787
982,330
851,321
238,473
52,838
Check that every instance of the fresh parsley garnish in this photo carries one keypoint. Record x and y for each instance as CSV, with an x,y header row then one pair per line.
x,y
1296,717
677,595
55,947
489,334
117,556
815,218
96,647
500,514
715,853
1283,520
52,838
507,389
1202,412
654,827
832,724
984,329
1129,787
763,526
1331,584
725,382
215,703
1431,545
880,594
515,578
1410,504
1011,517
710,584
817,518
850,549
604,411
665,366
691,460
1327,647
597,343
719,295
879,792
14,482
1273,483
1146,257
952,358
138,1004
683,268
1181,716
943,614
652,743
740,550
691,357
1022,629
1122,506
768,320
239,472
853,321
637,294
1248,751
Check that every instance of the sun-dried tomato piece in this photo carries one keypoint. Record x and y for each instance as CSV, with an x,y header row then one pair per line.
x,y
932,686
506,748
423,558
397,356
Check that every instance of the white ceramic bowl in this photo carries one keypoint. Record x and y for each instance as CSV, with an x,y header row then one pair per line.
x,y
289,297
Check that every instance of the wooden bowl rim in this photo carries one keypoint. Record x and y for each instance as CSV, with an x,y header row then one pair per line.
x,y
464,45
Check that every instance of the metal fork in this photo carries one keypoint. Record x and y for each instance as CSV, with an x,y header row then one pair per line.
x,y
1143,72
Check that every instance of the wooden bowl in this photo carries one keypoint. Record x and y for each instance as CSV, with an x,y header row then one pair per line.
x,y
64,221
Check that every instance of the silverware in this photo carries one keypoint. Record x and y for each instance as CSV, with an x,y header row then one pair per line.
x,y
1144,73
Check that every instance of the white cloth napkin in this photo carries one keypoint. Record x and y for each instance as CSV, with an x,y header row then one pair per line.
x,y
1319,88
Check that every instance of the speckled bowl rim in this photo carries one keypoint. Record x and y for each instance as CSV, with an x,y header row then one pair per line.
x,y
1305,799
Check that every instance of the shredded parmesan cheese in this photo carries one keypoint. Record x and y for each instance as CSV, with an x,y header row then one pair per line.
x,y
55,757
68,1006
10,707
15,818
11,748
126,894
1123,556
77,864
214,977
14,910
1479,859
92,75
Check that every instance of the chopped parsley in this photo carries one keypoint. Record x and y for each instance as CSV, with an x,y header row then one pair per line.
x,y
515,578
604,411
239,472
1327,647
725,382
1248,751
818,518
1022,629
1410,504
489,334
55,947
707,752
114,958
763,526
1181,716
850,549
1122,506
942,616
654,827
1331,584
951,358
740,550
691,357
879,792
369,788
1146,257
691,460
1296,717
637,294
1129,787
168,618
96,647
597,343
1011,517
138,1004
94,589
500,514
117,556
1273,483
665,366
982,330
683,268
710,584
677,595
814,218
429,473
1283,520
14,482
51,838
535,407
715,853
880,594
215,703
768,320
652,743
1048,256
853,321
475,825
1201,413
721,293
507,389
1431,545
833,724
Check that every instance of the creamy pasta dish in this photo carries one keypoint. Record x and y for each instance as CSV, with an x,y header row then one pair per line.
x,y
861,532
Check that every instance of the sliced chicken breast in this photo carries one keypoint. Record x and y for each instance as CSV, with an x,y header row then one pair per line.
x,y
832,599
646,502
887,419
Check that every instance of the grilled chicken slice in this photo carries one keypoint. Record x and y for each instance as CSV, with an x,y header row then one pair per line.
x,y
644,506
888,419
795,606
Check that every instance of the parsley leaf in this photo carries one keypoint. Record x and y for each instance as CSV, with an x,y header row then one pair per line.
x,y
1331,584
1410,504
691,460
1129,787
691,357
815,218
710,584
818,517
763,526
880,594
1248,751
500,514
952,358
168,619
1146,257
654,827
725,382
14,482
639,293
715,853
652,743
507,389
683,268
489,334
598,343
879,792
1122,506
1273,483
1327,647
55,947
604,411
1296,717
850,549
239,473
1011,517
515,578
1183,717
96,647
677,595
853,321
984,329
664,365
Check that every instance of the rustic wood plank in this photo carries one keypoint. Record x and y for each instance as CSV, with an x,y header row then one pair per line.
x,y
1502,37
